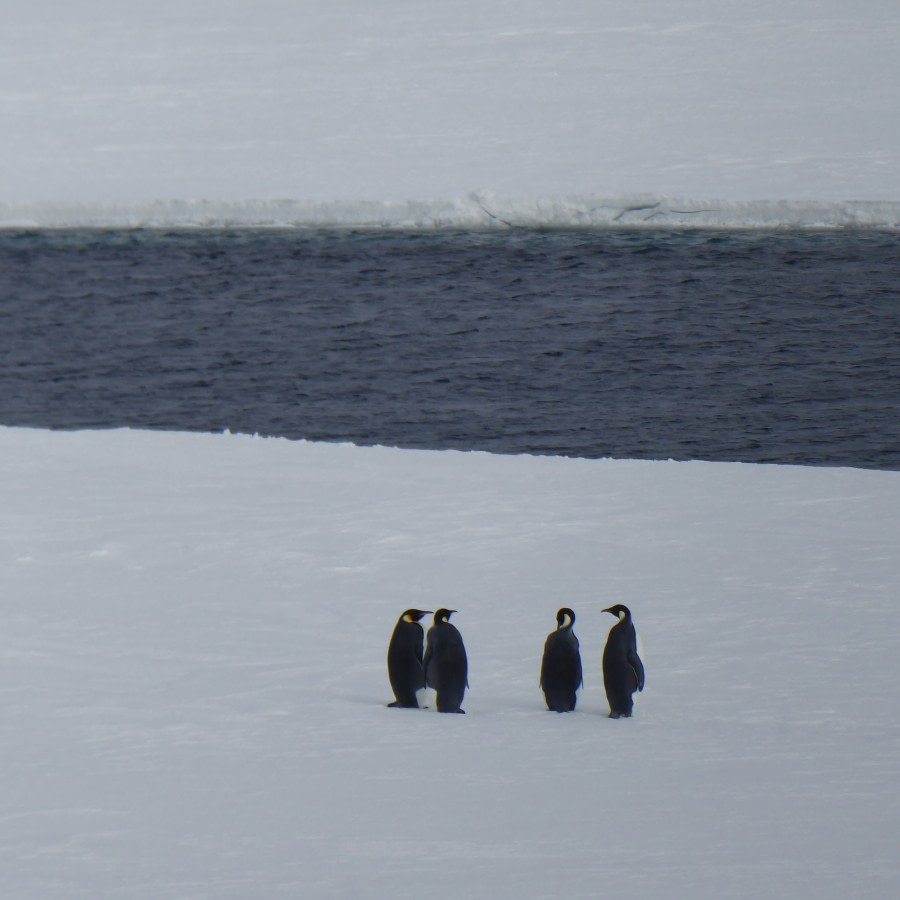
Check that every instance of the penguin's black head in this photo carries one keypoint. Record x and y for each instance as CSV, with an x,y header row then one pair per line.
x,y
413,615
565,617
443,615
623,613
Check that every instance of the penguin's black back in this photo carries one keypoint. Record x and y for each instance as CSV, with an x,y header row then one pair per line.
x,y
623,671
404,659
561,674
446,664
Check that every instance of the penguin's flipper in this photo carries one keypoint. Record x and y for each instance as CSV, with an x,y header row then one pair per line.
x,y
638,668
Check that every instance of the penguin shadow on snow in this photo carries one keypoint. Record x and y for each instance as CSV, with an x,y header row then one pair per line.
x,y
438,661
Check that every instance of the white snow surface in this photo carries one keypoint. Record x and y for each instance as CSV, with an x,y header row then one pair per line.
x,y
193,674
472,113
194,626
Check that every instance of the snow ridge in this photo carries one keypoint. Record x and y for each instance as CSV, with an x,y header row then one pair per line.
x,y
477,210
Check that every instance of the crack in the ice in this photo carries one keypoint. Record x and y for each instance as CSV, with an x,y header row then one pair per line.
x,y
631,209
657,211
496,218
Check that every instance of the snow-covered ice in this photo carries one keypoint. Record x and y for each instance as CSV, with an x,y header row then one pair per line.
x,y
424,114
194,626
194,681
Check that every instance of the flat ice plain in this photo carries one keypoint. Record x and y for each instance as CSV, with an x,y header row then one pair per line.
x,y
463,114
194,684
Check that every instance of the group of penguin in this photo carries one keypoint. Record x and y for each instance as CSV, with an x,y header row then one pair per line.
x,y
438,661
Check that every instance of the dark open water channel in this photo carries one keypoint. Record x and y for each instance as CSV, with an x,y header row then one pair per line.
x,y
754,346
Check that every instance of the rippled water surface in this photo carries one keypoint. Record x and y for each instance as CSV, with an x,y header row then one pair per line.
x,y
754,346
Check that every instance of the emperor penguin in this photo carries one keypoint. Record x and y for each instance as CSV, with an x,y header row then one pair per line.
x,y
623,671
404,658
561,666
446,665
